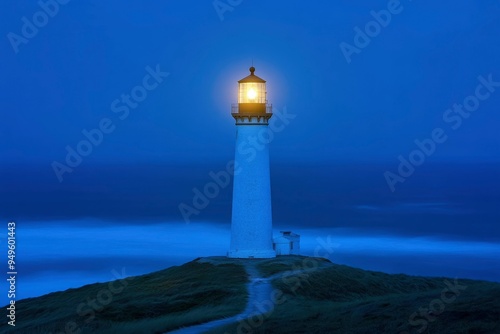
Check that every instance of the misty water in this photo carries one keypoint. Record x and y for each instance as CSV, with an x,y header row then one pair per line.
x,y
69,254
444,220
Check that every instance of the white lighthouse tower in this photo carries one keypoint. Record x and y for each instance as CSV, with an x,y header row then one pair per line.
x,y
251,225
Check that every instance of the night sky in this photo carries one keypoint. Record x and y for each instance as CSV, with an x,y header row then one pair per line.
x,y
393,115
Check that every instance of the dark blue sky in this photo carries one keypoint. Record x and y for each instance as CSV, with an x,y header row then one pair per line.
x,y
395,90
355,114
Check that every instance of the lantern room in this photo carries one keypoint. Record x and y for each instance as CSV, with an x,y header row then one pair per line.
x,y
252,95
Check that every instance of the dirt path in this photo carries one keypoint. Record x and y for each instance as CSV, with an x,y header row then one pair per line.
x,y
259,290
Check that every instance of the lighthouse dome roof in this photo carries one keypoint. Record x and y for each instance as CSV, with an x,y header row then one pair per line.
x,y
252,77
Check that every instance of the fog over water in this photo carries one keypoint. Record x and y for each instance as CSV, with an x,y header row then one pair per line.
x,y
66,254
443,221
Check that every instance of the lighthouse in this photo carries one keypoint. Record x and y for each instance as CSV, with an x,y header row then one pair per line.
x,y
251,222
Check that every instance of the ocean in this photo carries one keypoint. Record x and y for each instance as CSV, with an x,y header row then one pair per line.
x,y
108,222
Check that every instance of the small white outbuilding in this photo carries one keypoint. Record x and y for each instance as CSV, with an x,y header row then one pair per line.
x,y
288,243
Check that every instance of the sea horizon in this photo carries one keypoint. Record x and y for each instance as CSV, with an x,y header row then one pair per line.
x,y
62,259
442,221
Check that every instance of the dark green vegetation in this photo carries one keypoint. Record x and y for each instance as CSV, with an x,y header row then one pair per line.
x,y
189,294
342,299
285,264
323,298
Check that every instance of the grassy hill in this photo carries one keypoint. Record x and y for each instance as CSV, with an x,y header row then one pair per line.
x,y
183,295
310,295
342,299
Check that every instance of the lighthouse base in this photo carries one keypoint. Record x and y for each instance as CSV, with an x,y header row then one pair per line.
x,y
249,254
